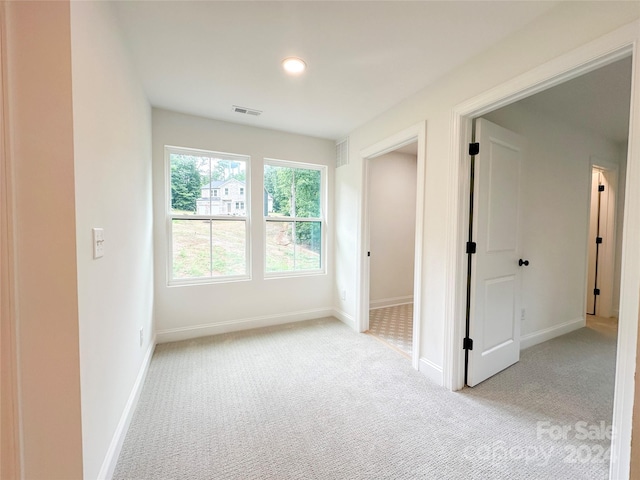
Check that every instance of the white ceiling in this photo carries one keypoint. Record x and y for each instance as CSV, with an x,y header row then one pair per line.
x,y
597,101
363,57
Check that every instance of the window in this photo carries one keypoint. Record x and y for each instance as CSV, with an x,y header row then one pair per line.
x,y
208,241
294,217
241,191
226,191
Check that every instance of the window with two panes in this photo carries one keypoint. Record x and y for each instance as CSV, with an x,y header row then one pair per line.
x,y
293,217
208,233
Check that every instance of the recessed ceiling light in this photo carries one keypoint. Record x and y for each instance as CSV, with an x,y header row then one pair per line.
x,y
293,65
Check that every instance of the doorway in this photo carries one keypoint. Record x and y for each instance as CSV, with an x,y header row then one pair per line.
x,y
573,64
416,137
603,262
533,179
392,221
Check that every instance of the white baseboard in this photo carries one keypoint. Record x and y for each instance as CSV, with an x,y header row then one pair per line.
x,y
390,302
345,318
196,331
531,339
111,458
432,371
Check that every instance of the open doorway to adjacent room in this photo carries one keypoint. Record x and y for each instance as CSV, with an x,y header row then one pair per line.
x,y
547,197
390,255
548,178
605,229
392,229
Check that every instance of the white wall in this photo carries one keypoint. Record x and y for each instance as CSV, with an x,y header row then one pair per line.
x,y
37,64
112,142
555,213
194,310
563,29
392,228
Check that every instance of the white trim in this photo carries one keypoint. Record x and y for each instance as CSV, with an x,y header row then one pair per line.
x,y
629,289
432,371
186,282
204,330
539,336
345,318
279,162
590,56
457,235
416,133
293,273
390,302
115,447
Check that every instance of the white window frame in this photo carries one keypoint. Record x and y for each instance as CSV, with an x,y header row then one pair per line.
x,y
168,150
322,219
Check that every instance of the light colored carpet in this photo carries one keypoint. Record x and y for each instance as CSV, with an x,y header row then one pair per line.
x,y
315,400
393,325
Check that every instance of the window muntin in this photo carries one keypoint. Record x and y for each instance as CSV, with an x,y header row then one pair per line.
x,y
294,217
208,234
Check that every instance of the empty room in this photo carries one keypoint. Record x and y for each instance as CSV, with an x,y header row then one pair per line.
x,y
323,240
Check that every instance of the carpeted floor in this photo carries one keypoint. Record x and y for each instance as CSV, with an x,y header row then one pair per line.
x,y
393,325
315,400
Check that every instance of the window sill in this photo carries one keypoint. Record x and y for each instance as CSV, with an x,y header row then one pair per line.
x,y
188,282
296,274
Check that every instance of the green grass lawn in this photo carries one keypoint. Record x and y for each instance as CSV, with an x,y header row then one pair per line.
x,y
203,248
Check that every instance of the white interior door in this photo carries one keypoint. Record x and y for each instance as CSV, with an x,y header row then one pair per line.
x,y
494,322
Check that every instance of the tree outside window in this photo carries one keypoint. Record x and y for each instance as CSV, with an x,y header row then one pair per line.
x,y
294,217
208,235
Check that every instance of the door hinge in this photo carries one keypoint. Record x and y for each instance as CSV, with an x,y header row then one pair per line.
x,y
368,254
474,149
467,344
596,291
598,239
601,188
471,247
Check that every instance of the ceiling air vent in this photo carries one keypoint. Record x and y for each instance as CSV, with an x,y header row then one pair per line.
x,y
342,152
246,111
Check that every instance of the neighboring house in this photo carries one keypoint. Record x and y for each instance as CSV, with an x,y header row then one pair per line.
x,y
227,197
222,197
268,202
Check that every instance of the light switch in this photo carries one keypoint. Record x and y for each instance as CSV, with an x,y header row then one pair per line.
x,y
98,242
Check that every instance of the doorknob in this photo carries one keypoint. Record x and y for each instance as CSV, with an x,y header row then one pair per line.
x,y
523,262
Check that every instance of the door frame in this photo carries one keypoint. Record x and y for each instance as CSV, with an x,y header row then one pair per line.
x,y
11,441
608,252
611,47
416,133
